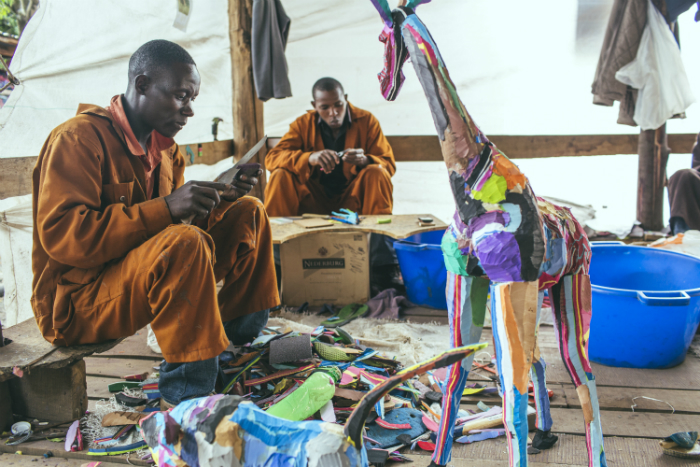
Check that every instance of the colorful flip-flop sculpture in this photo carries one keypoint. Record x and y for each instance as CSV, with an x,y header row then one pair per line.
x,y
503,237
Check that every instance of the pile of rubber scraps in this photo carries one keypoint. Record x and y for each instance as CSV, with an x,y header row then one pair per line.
x,y
297,376
324,374
279,368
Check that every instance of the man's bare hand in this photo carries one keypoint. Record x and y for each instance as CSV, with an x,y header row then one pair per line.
x,y
241,186
194,200
325,159
356,157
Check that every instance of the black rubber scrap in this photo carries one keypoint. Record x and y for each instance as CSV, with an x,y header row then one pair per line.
x,y
377,457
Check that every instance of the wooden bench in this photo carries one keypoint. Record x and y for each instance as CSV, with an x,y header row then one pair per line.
x,y
53,386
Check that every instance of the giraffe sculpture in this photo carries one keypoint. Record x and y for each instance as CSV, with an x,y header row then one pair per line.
x,y
503,239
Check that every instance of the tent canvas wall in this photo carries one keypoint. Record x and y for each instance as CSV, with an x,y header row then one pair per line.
x,y
521,68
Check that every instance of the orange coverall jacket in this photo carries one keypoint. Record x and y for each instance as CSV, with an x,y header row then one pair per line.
x,y
303,138
94,229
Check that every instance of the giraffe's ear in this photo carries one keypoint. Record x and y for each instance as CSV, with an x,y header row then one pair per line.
x,y
382,7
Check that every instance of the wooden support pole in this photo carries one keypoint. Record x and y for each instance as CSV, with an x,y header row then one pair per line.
x,y
653,156
248,125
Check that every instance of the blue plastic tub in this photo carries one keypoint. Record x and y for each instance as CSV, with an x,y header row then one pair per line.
x,y
423,269
646,305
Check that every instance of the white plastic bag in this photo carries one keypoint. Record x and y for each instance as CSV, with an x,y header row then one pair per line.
x,y
16,254
658,73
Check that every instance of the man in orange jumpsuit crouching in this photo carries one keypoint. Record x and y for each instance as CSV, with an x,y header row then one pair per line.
x,y
111,253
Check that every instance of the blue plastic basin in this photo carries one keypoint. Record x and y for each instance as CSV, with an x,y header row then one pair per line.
x,y
646,305
423,269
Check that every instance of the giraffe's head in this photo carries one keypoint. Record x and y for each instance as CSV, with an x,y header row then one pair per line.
x,y
391,77
405,35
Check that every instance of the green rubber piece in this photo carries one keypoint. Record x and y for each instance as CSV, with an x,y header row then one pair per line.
x,y
121,385
345,338
307,399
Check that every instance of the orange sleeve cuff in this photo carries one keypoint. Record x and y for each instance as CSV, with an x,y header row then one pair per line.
x,y
155,215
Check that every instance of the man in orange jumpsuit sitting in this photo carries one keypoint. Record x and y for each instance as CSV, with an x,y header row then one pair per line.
x,y
111,253
335,156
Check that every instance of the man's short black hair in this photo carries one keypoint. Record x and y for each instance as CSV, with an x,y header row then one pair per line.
x,y
326,84
157,54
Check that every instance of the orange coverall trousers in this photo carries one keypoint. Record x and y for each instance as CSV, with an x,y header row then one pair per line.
x,y
370,192
170,282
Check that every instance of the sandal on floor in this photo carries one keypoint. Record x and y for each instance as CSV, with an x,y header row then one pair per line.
x,y
346,315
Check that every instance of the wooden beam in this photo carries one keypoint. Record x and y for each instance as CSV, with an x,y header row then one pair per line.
x,y
211,152
427,148
16,173
248,125
653,157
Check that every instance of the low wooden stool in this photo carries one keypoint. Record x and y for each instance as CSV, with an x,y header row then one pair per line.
x,y
53,386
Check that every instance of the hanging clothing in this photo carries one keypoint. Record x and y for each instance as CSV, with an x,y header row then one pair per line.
x,y
626,25
658,73
677,7
269,41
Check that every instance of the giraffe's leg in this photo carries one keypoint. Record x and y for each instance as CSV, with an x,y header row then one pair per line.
x,y
542,439
514,323
571,304
466,306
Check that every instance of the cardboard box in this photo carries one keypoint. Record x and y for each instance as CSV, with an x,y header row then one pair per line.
x,y
326,267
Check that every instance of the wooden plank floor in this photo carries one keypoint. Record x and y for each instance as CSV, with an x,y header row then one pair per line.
x,y
631,437
22,460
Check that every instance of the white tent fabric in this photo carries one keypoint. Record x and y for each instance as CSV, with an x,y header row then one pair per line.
x,y
77,51
16,255
520,67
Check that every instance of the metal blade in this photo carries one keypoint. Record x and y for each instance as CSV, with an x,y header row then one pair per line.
x,y
229,175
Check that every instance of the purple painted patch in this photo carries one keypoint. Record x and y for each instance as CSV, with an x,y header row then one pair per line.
x,y
473,162
172,429
499,255
484,178
212,400
457,222
491,217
